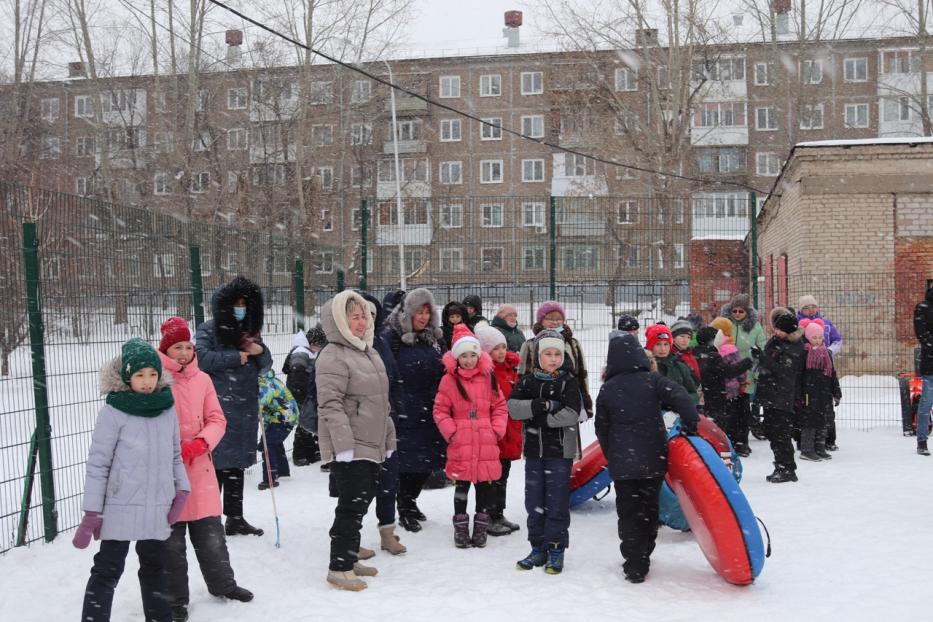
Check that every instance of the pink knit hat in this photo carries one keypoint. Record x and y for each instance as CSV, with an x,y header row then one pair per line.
x,y
812,328
489,337
549,306
463,341
727,348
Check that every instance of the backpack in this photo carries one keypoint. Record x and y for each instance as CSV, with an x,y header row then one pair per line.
x,y
307,418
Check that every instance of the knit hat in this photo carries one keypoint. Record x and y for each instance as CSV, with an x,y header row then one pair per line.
x,y
727,349
695,320
812,328
627,322
682,327
807,301
740,301
489,337
707,335
549,306
464,341
783,319
316,336
505,309
656,333
724,324
135,355
548,338
174,330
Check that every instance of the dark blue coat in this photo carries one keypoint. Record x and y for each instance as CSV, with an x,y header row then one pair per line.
x,y
382,346
629,424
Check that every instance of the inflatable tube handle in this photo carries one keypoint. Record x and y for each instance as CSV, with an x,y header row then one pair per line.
x,y
603,496
767,535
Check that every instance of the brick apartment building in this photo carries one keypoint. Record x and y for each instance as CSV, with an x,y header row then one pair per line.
x,y
476,200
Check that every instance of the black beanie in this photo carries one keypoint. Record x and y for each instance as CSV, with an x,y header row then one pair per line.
x,y
627,323
706,335
786,322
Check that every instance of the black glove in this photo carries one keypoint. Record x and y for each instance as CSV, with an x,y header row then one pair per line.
x,y
688,428
755,353
540,406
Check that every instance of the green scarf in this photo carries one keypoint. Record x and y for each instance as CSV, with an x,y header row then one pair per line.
x,y
141,404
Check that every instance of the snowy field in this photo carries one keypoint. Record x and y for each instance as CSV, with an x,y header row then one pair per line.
x,y
848,544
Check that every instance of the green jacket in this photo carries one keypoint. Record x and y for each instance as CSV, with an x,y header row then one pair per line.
x,y
672,367
745,339
514,337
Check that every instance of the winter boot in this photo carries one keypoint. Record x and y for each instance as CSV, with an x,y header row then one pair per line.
x,y
408,520
535,559
809,455
364,571
821,451
346,580
513,527
462,531
743,450
480,526
388,541
782,475
239,593
497,528
922,448
365,553
555,559
635,578
264,485
179,613
237,526
417,512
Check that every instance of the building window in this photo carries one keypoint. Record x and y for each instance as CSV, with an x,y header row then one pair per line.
x,y
408,129
626,212
766,119
811,71
678,256
532,83
82,186
767,164
722,114
450,86
85,146
491,215
720,205
577,165
532,170
533,126
203,100
492,259
490,85
900,61
237,139
118,101
233,181
327,220
533,258
533,214
51,148
361,176
361,134
84,106
856,115
491,129
896,109
450,130
720,69
451,260
855,69
626,79
811,117
163,266
161,102
324,262
451,173
325,177
321,92
412,170
451,216
633,257
48,108
721,160
161,184
764,74
200,182
201,142
626,122
238,98
322,135
490,171
362,92
580,257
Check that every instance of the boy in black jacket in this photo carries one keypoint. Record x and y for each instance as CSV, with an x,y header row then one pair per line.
x,y
780,386
633,438
297,369
548,401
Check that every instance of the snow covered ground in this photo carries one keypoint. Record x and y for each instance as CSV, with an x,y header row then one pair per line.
x,y
849,543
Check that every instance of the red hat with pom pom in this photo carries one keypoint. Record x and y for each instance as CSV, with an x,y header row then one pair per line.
x,y
174,329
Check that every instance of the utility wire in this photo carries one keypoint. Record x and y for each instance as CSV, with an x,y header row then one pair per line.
x,y
472,117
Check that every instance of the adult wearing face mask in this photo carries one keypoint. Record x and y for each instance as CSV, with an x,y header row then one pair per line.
x,y
230,350
506,321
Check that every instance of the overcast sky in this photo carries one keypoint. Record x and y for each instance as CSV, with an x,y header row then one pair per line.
x,y
443,24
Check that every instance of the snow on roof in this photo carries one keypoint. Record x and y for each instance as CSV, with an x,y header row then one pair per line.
x,y
855,142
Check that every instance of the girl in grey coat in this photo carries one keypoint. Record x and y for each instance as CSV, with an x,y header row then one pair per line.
x,y
136,483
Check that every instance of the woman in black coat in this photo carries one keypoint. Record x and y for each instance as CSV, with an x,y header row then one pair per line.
x,y
633,438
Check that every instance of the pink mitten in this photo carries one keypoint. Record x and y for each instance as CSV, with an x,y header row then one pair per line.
x,y
90,526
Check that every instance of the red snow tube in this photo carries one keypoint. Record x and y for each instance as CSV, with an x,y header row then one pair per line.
x,y
586,468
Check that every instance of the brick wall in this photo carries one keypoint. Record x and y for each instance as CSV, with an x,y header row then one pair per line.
x,y
718,271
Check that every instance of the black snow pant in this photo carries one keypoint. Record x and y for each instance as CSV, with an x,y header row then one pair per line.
x,y
230,482
210,547
738,414
107,570
779,427
305,447
638,507
485,496
356,484
410,486
500,486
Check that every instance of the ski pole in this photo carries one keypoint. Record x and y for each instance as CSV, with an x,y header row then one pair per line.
x,y
275,511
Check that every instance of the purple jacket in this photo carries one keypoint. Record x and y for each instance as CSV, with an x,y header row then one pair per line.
x,y
831,337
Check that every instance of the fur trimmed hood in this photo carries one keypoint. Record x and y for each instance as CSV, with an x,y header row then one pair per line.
x,y
336,326
751,314
797,335
228,330
399,321
111,381
483,366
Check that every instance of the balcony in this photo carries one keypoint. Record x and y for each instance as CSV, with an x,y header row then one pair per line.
x,y
405,103
405,146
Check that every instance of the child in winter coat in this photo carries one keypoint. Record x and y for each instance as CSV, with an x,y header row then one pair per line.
x,y
279,413
716,375
453,313
504,365
136,485
682,333
201,425
471,415
547,400
780,385
658,340
298,369
633,438
736,406
820,393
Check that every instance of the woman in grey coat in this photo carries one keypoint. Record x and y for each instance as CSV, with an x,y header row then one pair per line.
x,y
230,350
136,485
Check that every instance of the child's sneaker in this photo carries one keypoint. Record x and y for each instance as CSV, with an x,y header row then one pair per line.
x,y
555,559
535,559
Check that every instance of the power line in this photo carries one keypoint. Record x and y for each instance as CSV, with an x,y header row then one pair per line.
x,y
472,117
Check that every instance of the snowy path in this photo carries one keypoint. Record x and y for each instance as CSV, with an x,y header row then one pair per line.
x,y
849,539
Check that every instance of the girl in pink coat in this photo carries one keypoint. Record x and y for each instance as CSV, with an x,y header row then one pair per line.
x,y
472,416
202,425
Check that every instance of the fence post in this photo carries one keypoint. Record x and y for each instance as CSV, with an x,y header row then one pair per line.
x,y
753,230
341,285
298,284
39,382
552,234
364,242
197,286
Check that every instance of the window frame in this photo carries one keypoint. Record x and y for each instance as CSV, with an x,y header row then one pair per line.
x,y
449,166
533,120
534,76
447,127
626,80
490,164
772,116
488,221
806,71
486,82
237,98
811,108
533,265
449,86
491,129
238,145
533,162
856,106
452,256
845,69
763,164
445,215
